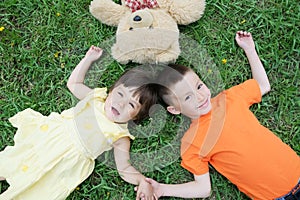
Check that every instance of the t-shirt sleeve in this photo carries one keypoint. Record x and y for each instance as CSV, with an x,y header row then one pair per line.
x,y
248,90
191,159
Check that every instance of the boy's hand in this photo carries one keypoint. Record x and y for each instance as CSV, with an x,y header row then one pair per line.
x,y
145,191
156,187
244,40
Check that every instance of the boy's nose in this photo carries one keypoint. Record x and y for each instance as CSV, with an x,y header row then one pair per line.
x,y
200,96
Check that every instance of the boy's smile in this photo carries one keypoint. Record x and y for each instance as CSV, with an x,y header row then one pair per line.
x,y
204,105
121,105
191,97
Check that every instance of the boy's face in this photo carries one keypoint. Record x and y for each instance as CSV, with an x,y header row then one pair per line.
x,y
191,97
120,105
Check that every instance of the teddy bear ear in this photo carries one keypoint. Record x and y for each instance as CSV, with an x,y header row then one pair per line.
x,y
184,11
107,11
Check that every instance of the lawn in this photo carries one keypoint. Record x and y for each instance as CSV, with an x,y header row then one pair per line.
x,y
42,41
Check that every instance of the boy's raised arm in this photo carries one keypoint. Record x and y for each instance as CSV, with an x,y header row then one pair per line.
x,y
245,41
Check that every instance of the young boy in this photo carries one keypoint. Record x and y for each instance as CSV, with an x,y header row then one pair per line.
x,y
226,134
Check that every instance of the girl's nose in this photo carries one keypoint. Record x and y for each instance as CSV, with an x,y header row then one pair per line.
x,y
118,102
121,103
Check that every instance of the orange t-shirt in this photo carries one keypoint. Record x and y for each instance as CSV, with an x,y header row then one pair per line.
x,y
245,152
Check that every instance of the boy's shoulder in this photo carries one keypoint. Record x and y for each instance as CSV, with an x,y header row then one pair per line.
x,y
250,84
248,90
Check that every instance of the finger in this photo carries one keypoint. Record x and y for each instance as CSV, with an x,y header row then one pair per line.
x,y
239,33
137,196
149,180
99,49
247,34
237,36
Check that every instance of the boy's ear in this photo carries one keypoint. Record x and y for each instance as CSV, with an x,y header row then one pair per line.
x,y
173,110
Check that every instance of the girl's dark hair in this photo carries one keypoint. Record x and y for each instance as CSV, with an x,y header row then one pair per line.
x,y
169,76
144,79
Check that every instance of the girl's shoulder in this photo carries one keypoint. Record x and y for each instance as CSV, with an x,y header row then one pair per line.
x,y
97,93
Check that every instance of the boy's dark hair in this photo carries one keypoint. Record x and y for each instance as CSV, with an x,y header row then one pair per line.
x,y
169,76
144,78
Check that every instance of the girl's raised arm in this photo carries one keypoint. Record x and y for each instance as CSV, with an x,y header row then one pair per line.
x,y
76,80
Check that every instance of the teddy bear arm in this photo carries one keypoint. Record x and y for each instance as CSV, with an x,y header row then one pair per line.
x,y
107,11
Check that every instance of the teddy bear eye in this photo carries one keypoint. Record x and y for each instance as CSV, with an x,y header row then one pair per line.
x,y
137,18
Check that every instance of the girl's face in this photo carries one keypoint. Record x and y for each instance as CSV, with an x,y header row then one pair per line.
x,y
120,105
191,97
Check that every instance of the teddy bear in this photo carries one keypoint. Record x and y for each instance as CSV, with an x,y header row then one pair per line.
x,y
147,30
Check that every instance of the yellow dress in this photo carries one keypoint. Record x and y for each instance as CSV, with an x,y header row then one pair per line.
x,y
53,154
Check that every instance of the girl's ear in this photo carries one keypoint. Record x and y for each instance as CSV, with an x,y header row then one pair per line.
x,y
173,110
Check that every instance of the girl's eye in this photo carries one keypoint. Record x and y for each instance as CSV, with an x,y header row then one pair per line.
x,y
131,104
187,98
119,93
199,86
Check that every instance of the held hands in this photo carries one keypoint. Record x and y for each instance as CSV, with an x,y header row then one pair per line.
x,y
154,187
244,40
94,53
144,191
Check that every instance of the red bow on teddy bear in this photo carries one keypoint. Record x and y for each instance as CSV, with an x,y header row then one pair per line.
x,y
135,5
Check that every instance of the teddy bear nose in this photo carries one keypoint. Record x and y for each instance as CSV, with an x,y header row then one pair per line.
x,y
137,18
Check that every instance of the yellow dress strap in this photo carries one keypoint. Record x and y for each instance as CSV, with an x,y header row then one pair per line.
x,y
98,94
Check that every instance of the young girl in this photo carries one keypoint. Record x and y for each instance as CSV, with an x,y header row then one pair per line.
x,y
53,154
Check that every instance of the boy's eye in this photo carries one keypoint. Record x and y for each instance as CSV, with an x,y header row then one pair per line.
x,y
121,94
199,86
187,98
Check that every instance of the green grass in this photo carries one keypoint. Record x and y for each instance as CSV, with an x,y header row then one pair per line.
x,y
39,49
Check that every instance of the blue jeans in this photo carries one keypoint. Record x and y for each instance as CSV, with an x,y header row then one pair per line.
x,y
294,194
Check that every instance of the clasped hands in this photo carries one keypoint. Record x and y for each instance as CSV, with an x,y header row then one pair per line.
x,y
148,190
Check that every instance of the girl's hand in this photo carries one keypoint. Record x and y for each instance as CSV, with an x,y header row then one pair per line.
x,y
155,187
244,40
94,53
